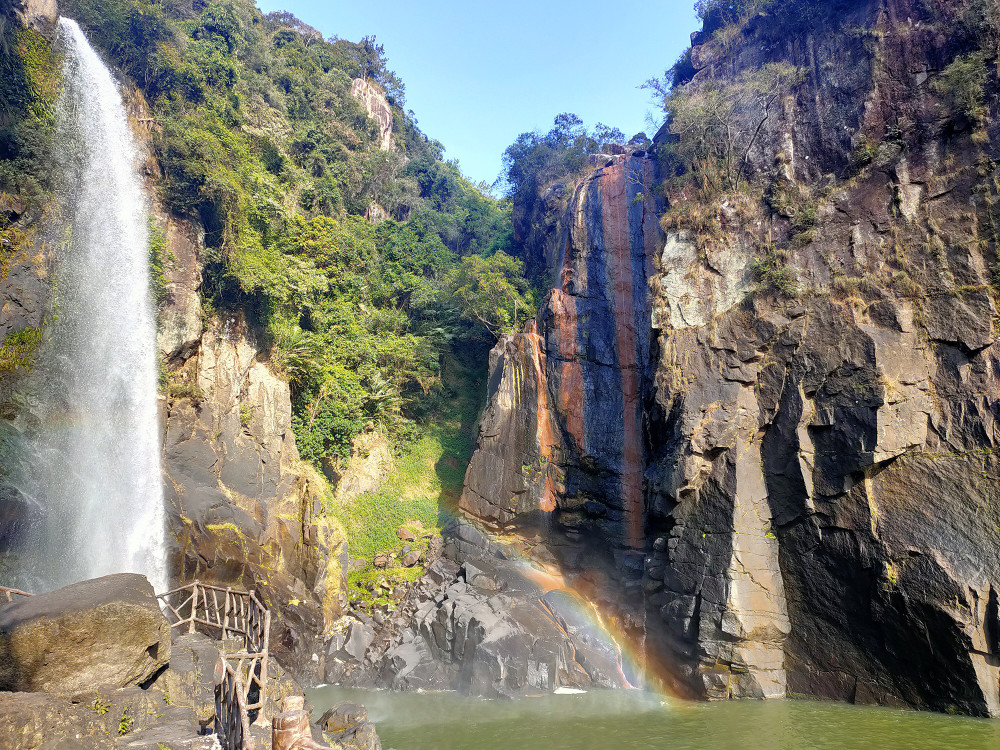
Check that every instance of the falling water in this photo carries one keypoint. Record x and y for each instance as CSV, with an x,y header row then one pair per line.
x,y
94,467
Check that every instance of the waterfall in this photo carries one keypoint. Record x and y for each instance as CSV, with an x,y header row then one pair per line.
x,y
93,462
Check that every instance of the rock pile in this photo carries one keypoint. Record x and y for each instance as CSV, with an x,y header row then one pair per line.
x,y
488,626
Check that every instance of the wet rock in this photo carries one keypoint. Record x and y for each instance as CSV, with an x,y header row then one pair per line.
x,y
347,725
120,637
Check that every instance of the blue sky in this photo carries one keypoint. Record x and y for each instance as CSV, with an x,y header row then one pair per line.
x,y
477,74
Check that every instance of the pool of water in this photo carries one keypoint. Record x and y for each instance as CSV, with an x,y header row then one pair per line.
x,y
636,720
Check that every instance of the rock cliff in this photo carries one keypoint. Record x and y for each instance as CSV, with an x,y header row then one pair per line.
x,y
783,482
378,107
242,508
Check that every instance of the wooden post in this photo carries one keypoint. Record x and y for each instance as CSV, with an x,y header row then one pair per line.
x,y
263,666
225,619
194,605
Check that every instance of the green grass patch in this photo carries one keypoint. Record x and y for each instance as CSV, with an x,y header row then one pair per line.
x,y
432,466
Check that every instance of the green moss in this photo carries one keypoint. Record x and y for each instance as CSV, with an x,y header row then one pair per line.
x,y
19,349
29,87
158,255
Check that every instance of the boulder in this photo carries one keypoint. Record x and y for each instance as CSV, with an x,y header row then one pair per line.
x,y
407,535
347,725
359,638
189,680
104,632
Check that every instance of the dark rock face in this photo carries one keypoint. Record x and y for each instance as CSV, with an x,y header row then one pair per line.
x,y
107,631
818,511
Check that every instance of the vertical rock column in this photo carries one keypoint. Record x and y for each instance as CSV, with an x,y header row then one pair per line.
x,y
562,432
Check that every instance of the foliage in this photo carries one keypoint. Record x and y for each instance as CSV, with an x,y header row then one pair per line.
x,y
260,138
534,159
493,292
717,122
125,723
157,258
963,86
29,85
424,485
19,349
774,273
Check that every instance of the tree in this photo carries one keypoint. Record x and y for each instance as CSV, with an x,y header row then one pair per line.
x,y
719,122
493,292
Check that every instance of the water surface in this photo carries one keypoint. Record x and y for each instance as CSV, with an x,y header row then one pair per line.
x,y
640,721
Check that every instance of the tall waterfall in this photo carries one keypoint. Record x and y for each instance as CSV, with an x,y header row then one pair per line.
x,y
93,465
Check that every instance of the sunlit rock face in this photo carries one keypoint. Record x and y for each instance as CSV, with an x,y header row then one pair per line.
x,y
241,508
563,428
379,109
818,509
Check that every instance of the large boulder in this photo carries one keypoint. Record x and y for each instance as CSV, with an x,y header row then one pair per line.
x,y
104,632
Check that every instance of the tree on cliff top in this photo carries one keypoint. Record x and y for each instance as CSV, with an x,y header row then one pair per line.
x,y
718,122
493,292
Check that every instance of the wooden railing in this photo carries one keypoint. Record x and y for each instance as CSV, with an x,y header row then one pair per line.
x,y
9,594
235,616
232,721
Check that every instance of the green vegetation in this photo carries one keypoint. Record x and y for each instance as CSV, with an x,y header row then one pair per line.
x,y
363,268
158,255
19,349
29,85
963,86
420,493
771,269
100,705
125,723
719,121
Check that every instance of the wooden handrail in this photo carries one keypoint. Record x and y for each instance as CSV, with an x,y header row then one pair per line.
x,y
240,614
11,593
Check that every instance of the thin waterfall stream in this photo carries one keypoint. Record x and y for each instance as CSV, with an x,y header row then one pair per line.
x,y
92,466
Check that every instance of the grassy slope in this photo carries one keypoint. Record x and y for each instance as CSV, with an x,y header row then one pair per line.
x,y
424,486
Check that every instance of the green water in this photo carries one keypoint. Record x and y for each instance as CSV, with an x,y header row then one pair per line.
x,y
638,721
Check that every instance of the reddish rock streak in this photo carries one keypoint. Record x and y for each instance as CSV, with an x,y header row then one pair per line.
x,y
618,251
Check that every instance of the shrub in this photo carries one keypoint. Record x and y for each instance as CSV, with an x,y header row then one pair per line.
x,y
773,272
963,86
